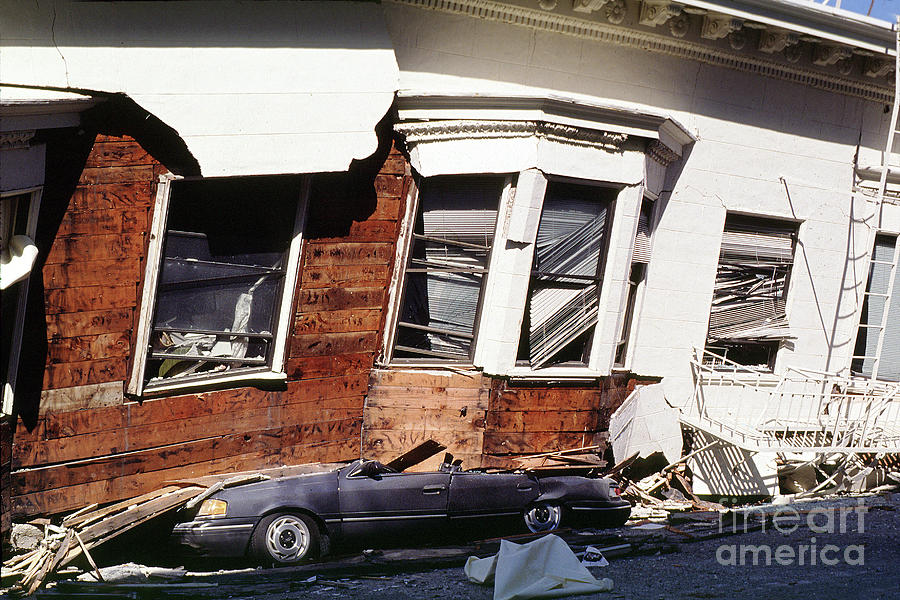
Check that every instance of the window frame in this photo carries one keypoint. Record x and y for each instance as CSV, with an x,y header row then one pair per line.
x,y
246,375
891,306
7,393
397,290
560,136
772,365
601,280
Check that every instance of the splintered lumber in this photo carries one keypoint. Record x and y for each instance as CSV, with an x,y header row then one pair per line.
x,y
420,453
88,528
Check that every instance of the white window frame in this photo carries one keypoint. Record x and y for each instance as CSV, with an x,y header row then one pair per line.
x,y
892,300
779,353
533,139
401,261
15,350
274,372
513,250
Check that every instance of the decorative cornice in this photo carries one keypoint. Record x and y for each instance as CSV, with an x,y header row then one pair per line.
x,y
587,6
10,140
776,40
442,131
657,12
661,153
711,53
715,27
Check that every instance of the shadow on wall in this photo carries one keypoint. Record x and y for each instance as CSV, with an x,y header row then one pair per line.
x,y
336,200
67,153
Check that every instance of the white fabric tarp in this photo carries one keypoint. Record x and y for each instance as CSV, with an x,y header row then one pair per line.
x,y
544,568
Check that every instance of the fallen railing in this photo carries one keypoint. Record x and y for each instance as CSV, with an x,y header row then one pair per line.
x,y
801,411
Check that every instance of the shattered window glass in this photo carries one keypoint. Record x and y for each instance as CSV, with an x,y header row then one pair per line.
x,y
448,261
562,306
747,321
221,277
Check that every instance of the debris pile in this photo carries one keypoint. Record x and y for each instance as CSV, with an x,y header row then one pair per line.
x,y
85,529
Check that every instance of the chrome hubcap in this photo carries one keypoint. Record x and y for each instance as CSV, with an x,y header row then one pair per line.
x,y
543,517
287,538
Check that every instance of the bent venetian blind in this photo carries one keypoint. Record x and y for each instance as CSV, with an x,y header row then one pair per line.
x,y
755,262
448,261
566,274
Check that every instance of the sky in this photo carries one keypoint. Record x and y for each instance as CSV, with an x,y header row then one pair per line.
x,y
883,9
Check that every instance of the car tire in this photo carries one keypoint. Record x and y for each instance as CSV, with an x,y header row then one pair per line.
x,y
543,517
285,539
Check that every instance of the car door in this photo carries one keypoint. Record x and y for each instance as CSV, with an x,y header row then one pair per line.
x,y
488,496
392,504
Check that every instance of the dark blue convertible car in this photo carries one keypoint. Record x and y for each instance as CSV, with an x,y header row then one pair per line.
x,y
290,519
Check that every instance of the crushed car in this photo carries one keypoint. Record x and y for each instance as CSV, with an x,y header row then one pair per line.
x,y
297,518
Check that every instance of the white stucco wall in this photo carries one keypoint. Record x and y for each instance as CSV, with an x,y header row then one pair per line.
x,y
251,87
766,147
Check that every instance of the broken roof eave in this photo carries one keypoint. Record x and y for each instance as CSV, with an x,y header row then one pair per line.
x,y
30,108
809,18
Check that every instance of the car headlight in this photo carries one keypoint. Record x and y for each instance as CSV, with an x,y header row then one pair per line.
x,y
212,508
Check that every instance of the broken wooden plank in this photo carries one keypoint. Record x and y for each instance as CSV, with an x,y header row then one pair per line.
x,y
420,453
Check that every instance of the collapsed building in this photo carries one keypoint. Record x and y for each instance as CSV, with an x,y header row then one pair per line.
x,y
248,234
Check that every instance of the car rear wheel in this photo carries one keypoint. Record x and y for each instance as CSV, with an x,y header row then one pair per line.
x,y
285,538
543,517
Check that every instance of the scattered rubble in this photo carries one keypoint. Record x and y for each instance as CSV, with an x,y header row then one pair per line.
x,y
84,529
25,536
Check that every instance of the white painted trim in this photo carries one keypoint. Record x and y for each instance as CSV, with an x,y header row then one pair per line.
x,y
395,291
15,349
263,375
151,278
291,276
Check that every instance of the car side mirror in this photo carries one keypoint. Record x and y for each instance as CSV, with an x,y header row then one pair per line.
x,y
370,469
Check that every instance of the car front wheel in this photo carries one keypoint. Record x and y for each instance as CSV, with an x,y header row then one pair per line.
x,y
285,538
543,517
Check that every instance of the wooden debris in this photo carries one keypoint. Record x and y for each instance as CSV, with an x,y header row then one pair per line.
x,y
84,530
420,453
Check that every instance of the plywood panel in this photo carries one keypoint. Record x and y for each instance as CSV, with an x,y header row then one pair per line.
x,y
350,276
326,366
67,325
187,452
96,247
90,347
94,272
84,373
112,196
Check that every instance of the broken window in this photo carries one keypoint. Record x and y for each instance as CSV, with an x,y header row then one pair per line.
x,y
564,291
747,320
226,254
640,257
872,356
448,262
